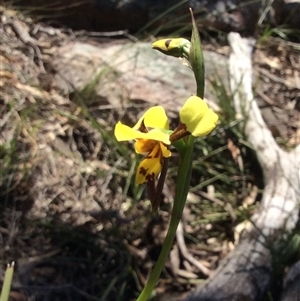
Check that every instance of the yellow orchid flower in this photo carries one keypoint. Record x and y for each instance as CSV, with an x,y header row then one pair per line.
x,y
152,138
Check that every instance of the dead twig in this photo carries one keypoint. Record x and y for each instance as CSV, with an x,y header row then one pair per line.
x,y
186,254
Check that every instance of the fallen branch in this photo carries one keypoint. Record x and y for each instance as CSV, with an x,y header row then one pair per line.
x,y
247,272
186,254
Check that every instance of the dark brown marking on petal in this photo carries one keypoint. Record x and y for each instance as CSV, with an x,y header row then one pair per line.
x,y
150,177
143,128
143,171
158,153
167,43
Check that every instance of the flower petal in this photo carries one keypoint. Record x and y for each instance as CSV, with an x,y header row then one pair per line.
x,y
143,146
165,151
154,117
150,167
125,133
206,125
158,135
197,117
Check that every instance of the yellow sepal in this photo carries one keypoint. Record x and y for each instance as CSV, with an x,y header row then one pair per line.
x,y
197,117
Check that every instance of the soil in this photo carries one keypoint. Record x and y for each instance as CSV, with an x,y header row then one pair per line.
x,y
66,217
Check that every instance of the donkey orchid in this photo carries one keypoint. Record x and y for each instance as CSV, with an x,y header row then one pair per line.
x,y
153,137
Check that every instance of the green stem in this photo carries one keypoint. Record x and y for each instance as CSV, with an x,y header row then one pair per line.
x,y
182,188
184,170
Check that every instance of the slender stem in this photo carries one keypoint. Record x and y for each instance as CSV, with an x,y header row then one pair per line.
x,y
184,170
183,182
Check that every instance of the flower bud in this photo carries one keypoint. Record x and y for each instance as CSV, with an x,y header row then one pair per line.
x,y
178,47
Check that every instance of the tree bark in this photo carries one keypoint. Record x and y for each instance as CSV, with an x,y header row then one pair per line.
x,y
246,273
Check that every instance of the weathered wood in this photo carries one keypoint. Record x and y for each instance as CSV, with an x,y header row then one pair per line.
x,y
246,273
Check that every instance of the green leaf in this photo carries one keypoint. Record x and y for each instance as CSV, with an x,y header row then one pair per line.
x,y
7,282
196,58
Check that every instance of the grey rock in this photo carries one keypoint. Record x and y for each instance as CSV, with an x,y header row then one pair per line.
x,y
131,71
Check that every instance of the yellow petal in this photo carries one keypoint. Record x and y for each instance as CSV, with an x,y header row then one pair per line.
x,y
158,135
197,117
143,146
125,133
150,167
165,151
206,125
154,117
